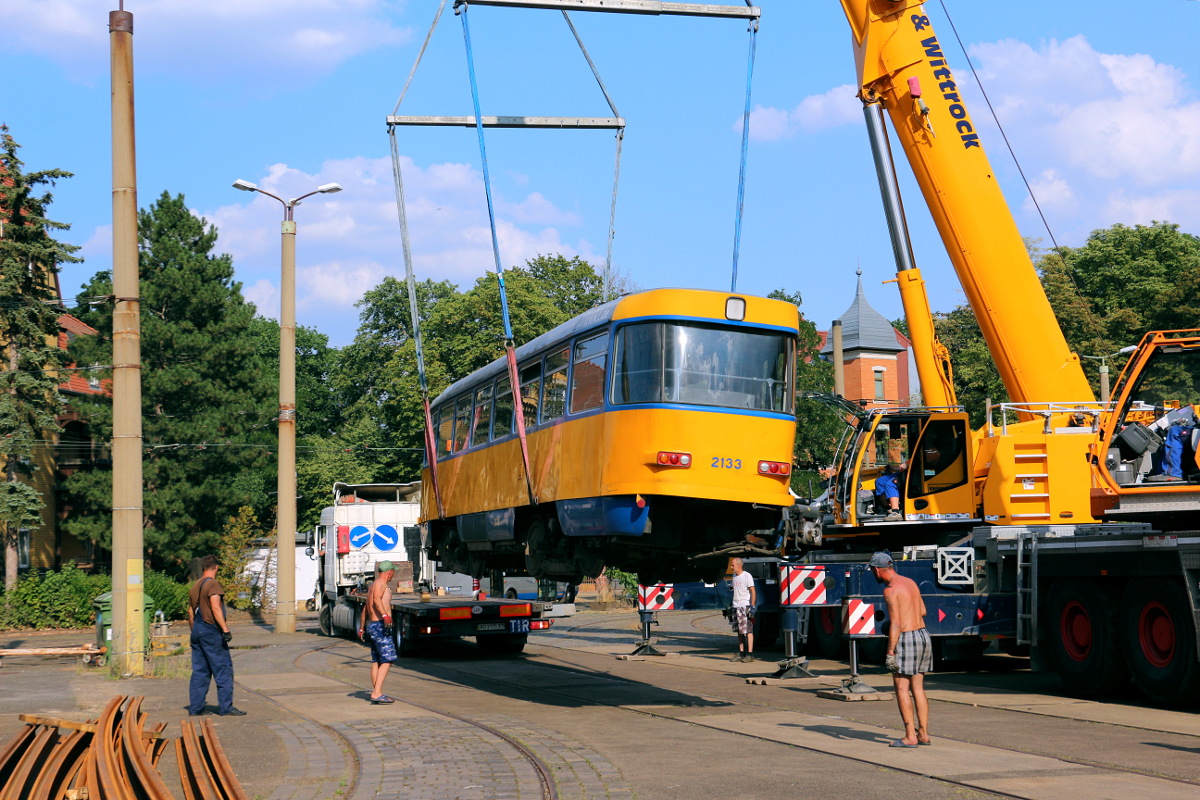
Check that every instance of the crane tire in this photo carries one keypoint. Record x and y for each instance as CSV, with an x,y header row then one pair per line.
x,y
1082,636
1159,637
825,632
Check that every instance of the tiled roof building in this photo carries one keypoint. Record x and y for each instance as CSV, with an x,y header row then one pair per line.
x,y
875,355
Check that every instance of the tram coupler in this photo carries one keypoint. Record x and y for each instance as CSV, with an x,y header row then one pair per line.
x,y
792,665
646,646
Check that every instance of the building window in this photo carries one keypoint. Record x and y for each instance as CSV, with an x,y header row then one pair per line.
x,y
23,542
879,394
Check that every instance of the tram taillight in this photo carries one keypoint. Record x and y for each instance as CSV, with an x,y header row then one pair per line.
x,y
774,468
666,458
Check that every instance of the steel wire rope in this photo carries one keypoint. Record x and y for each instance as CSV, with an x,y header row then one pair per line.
x,y
620,137
741,193
409,273
1058,250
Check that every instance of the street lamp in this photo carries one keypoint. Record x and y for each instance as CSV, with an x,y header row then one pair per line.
x,y
1124,351
285,559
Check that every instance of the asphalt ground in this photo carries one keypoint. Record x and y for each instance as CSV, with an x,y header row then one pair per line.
x,y
685,726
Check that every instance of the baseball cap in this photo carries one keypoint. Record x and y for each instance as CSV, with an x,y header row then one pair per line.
x,y
881,560
384,566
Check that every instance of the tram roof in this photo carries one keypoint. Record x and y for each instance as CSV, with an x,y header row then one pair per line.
x,y
594,318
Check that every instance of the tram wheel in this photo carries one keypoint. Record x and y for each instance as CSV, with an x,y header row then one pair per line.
x,y
825,631
1082,634
537,548
1159,638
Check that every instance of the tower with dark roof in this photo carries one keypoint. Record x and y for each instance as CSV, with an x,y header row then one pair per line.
x,y
875,354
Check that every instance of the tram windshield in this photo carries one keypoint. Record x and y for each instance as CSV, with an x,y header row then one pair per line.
x,y
658,362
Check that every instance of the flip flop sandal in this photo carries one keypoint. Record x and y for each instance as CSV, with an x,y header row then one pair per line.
x,y
902,743
382,700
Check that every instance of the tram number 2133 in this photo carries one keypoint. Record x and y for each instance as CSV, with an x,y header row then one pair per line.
x,y
726,463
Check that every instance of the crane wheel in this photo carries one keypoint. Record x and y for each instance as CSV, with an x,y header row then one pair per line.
x,y
1159,638
1081,629
825,632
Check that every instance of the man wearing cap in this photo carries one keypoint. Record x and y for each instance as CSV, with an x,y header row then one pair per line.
x,y
376,628
909,652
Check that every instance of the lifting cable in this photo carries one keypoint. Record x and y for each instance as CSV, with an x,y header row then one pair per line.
x,y
509,349
606,292
410,279
741,194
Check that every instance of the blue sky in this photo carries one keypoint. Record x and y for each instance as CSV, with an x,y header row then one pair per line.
x,y
1100,100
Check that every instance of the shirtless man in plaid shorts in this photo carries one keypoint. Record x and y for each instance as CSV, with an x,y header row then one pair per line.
x,y
910,652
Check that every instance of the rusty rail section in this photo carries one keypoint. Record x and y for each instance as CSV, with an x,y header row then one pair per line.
x,y
114,757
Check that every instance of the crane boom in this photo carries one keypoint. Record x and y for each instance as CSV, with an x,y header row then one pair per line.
x,y
899,60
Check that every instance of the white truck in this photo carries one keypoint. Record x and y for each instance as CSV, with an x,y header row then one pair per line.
x,y
369,523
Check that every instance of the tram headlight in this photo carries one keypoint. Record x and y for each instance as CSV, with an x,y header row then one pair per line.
x,y
735,308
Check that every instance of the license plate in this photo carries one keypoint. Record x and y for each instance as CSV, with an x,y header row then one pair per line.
x,y
491,626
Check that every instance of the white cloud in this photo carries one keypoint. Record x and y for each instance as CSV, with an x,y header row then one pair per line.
x,y
816,112
346,243
208,41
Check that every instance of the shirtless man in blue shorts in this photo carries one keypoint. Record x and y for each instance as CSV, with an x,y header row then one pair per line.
x,y
376,629
910,652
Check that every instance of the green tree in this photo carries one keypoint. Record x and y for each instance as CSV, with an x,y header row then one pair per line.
x,y
234,551
33,361
1106,294
818,426
209,400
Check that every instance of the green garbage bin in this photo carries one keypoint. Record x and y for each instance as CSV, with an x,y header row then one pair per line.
x,y
103,606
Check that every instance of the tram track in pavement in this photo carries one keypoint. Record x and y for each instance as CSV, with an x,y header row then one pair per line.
x,y
541,769
1111,770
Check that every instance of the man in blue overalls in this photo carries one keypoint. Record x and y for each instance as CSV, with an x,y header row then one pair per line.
x,y
210,642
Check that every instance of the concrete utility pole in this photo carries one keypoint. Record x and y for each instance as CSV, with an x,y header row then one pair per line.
x,y
127,651
285,558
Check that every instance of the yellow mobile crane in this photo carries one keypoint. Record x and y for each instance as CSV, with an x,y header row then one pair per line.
x,y
1074,519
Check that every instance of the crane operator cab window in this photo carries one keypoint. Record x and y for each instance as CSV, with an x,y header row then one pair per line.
x,y
939,460
1159,435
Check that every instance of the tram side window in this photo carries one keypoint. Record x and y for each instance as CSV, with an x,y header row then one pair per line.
x,y
638,364
444,424
483,415
502,424
462,422
554,395
531,384
587,376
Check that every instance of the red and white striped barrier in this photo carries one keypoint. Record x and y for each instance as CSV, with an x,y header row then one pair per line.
x,y
801,585
858,618
659,597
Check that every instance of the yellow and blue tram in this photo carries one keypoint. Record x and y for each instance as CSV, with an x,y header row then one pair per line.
x,y
659,427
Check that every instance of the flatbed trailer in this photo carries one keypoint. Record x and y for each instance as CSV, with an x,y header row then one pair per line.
x,y
499,626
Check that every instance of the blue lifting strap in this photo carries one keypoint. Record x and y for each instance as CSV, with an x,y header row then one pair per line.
x,y
737,225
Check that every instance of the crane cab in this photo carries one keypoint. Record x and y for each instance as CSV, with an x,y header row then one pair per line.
x,y
926,454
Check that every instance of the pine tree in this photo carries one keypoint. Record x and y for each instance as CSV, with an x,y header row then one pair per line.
x,y
33,362
209,398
